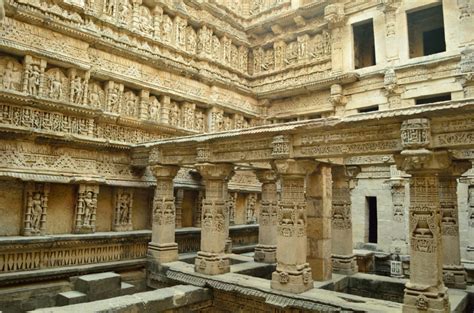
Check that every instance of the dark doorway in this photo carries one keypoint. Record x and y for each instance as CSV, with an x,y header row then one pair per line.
x,y
372,208
364,44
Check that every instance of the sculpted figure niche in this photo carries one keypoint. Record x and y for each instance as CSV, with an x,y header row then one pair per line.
x,y
34,75
123,210
36,209
86,208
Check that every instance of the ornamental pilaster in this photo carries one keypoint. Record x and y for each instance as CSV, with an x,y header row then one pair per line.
x,y
163,247
343,258
319,201
335,16
265,251
293,273
425,290
211,259
389,8
454,274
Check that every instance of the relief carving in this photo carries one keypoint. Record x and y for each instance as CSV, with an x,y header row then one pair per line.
x,y
86,208
36,195
123,209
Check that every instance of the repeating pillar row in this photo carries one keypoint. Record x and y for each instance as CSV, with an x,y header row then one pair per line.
x,y
212,258
265,251
293,273
163,247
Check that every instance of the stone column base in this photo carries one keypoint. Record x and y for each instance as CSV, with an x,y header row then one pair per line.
x,y
418,299
294,281
265,254
85,230
344,264
211,263
454,276
163,253
127,227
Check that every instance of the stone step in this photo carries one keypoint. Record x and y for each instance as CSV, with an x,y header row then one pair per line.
x,y
70,297
127,289
99,286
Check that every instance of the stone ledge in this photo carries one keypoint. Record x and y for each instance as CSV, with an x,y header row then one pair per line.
x,y
151,301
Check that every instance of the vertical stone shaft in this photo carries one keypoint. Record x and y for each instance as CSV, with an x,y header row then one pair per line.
x,y
343,259
163,247
179,207
426,258
293,273
454,274
319,192
211,259
265,251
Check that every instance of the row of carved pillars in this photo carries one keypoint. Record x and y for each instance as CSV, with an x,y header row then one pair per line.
x,y
285,222
314,210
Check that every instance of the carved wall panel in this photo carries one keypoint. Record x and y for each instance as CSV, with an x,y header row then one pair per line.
x,y
11,72
123,209
86,208
36,208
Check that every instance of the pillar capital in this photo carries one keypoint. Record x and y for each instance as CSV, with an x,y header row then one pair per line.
x,y
266,176
294,167
219,171
164,171
423,160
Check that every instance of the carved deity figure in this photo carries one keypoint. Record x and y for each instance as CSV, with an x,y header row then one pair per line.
x,y
216,47
154,109
94,97
109,7
199,124
55,87
145,21
8,80
36,212
252,201
114,97
34,75
77,89
167,29
124,12
89,204
124,209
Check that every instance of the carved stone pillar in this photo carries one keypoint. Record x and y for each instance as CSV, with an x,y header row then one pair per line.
x,y
293,273
211,259
198,209
179,207
425,290
334,15
86,208
470,236
216,119
123,209
165,110
265,251
319,192
163,247
454,274
144,104
36,195
136,15
232,204
389,8
343,258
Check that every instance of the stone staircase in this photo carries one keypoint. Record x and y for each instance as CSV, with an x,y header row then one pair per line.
x,y
95,287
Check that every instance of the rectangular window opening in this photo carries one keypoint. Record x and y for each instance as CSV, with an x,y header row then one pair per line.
x,y
364,44
433,99
368,109
372,210
426,31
